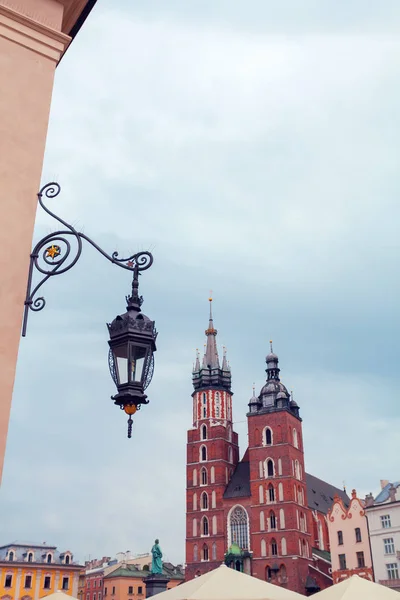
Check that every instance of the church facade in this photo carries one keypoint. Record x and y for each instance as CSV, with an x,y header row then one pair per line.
x,y
261,514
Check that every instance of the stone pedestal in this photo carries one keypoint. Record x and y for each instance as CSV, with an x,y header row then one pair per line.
x,y
156,584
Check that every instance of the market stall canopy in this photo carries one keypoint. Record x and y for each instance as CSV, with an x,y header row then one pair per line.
x,y
224,583
357,588
59,596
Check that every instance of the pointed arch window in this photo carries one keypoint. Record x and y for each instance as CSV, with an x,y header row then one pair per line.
x,y
217,405
268,573
261,494
282,518
214,525
263,548
280,491
283,546
205,526
272,520
214,551
203,454
204,501
262,521
282,574
204,432
305,553
269,467
194,501
205,552
274,547
238,525
295,440
279,466
268,436
212,475
271,493
297,469
230,454
195,556
194,528
203,476
195,477
204,405
214,499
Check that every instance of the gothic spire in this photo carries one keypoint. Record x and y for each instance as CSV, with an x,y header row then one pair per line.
x,y
210,373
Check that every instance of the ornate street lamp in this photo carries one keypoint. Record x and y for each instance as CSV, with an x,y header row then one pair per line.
x,y
132,335
131,356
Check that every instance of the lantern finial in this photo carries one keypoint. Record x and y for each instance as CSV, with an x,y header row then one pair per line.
x,y
135,301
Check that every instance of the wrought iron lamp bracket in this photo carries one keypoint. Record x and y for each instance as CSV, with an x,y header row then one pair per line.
x,y
54,254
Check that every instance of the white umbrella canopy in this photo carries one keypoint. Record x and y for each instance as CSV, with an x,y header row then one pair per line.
x,y
59,595
357,588
224,583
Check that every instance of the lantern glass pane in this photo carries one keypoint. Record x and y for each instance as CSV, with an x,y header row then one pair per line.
x,y
121,361
137,361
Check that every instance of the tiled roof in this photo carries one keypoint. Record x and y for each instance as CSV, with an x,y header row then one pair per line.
x,y
239,485
40,552
324,554
131,571
384,494
321,494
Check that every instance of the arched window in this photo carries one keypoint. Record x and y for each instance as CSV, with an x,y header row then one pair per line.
x,y
217,405
280,491
282,518
229,433
194,528
295,440
262,521
11,556
204,405
283,546
268,436
195,477
214,499
49,558
263,548
205,552
214,551
271,493
261,469
204,501
302,528
268,573
194,501
261,494
238,525
67,559
295,492
195,557
214,525
305,553
203,454
274,547
279,466
204,432
205,526
269,467
300,495
282,574
230,454
297,469
272,520
30,557
204,476
212,475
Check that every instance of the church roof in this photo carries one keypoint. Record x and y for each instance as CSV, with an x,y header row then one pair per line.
x,y
320,494
239,485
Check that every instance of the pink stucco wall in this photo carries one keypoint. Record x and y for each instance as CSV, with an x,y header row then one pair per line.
x,y
346,521
31,43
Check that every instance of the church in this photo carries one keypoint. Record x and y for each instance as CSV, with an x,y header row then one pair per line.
x,y
262,513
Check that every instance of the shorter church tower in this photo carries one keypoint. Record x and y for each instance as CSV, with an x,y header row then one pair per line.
x,y
212,455
280,518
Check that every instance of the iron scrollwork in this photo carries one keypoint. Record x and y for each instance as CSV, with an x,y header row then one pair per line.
x,y
58,252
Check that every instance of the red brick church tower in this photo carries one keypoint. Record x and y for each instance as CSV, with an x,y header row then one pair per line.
x,y
280,517
212,455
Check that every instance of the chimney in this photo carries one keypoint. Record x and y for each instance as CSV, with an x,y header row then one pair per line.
x,y
392,493
369,500
384,483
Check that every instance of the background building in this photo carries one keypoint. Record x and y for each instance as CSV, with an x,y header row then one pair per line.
x,y
32,571
262,514
383,514
349,540
127,582
34,34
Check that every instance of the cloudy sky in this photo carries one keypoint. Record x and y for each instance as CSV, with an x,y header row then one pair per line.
x,y
254,148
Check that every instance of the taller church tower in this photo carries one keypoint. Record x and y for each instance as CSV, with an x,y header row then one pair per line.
x,y
212,455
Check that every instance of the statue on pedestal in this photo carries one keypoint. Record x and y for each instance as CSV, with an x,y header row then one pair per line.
x,y
156,563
